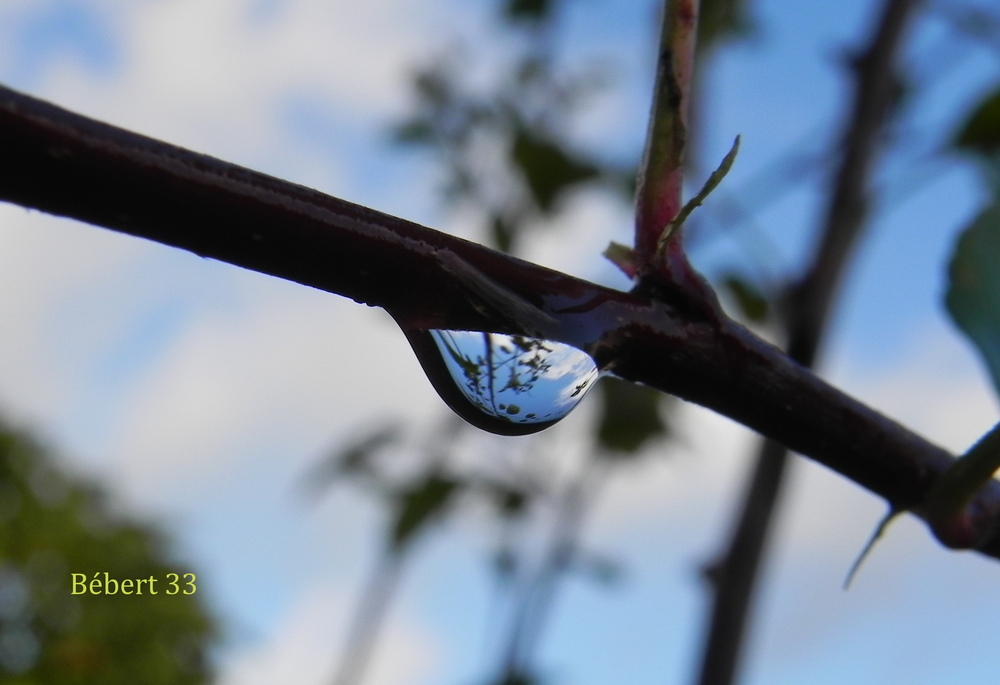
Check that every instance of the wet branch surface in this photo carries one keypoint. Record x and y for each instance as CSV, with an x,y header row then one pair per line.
x,y
64,164
809,305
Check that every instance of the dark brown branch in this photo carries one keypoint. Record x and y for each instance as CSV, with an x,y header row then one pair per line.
x,y
733,577
64,164
809,306
877,90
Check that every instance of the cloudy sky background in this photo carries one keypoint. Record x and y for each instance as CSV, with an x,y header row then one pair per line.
x,y
202,393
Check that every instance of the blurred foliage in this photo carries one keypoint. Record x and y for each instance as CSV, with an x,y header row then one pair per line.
x,y
505,149
527,10
721,20
548,170
420,504
631,416
54,525
981,132
973,297
717,21
973,294
751,303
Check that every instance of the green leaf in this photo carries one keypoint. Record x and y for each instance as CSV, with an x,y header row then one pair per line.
x,y
354,460
599,568
981,131
530,10
517,677
511,502
433,87
630,416
753,304
973,297
505,564
502,232
419,505
719,20
414,131
547,168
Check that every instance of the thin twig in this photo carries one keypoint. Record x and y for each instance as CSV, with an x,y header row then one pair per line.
x,y
537,600
661,173
368,618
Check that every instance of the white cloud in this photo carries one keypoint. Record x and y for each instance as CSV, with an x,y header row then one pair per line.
x,y
575,240
306,644
59,305
939,389
283,369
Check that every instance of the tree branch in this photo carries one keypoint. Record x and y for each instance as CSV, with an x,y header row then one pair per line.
x,y
809,305
661,175
62,163
659,259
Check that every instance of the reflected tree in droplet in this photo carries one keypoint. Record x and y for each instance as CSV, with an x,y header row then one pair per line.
x,y
516,379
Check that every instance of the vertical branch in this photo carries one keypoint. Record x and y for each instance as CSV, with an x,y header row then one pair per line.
x,y
368,619
658,259
538,598
658,196
810,303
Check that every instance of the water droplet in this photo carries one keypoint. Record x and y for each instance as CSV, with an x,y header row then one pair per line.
x,y
506,384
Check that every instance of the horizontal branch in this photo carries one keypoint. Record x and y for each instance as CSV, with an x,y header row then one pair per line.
x,y
64,164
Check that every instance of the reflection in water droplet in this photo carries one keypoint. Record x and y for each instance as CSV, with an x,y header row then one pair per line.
x,y
506,384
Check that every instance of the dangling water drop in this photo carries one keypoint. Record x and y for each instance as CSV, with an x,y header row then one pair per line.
x,y
506,384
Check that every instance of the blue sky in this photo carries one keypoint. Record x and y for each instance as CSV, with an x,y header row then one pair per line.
x,y
202,393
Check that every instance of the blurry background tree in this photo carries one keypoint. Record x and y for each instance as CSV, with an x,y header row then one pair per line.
x,y
53,524
510,161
